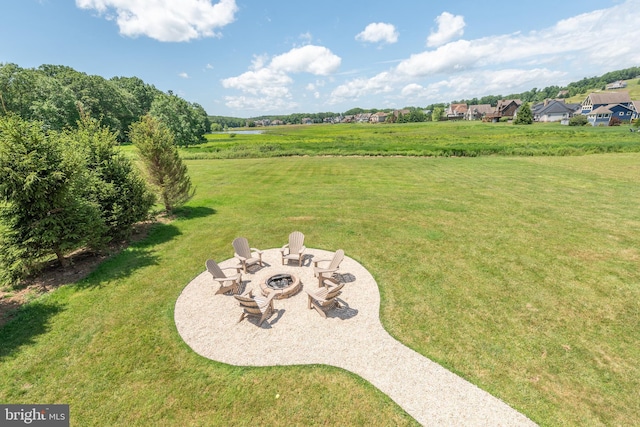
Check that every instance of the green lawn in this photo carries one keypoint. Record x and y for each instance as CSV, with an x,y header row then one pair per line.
x,y
443,139
521,274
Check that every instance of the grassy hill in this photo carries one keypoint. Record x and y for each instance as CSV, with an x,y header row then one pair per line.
x,y
633,87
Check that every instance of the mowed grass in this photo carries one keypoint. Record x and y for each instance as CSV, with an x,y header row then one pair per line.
x,y
443,139
521,274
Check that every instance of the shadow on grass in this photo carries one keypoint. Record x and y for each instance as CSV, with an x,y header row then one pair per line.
x,y
30,321
136,256
192,212
27,321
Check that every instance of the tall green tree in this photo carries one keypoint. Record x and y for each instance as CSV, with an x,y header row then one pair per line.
x,y
437,113
96,96
61,191
416,115
115,184
16,90
186,122
164,167
143,94
41,181
524,115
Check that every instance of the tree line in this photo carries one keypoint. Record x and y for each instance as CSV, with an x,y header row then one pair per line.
x,y
588,83
64,184
57,96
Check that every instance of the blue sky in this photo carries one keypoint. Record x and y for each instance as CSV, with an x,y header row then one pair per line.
x,y
247,58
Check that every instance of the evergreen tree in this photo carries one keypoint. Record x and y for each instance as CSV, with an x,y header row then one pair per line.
x,y
115,185
41,208
159,154
524,116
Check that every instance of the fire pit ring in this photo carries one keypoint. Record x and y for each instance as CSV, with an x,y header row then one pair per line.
x,y
283,284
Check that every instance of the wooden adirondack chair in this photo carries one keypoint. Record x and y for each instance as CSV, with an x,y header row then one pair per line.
x,y
332,267
294,250
227,283
325,297
246,255
259,307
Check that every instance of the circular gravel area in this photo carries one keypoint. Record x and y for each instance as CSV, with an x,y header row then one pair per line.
x,y
351,337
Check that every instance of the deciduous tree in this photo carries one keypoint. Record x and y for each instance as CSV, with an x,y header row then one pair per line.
x,y
186,122
437,113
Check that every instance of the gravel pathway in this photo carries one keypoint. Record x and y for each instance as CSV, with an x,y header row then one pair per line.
x,y
351,338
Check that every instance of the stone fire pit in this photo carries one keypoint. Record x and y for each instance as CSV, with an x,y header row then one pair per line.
x,y
283,284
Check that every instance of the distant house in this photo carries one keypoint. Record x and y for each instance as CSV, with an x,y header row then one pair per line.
x,y
306,121
379,117
553,110
620,84
396,113
477,112
506,108
363,117
456,111
603,115
599,99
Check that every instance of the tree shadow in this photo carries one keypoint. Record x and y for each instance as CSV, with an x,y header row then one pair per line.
x,y
192,212
30,321
134,257
26,321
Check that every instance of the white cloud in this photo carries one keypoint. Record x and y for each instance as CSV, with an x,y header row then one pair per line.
x,y
508,62
306,37
260,104
259,62
209,67
378,32
449,27
450,57
166,20
271,80
411,90
264,81
312,59
184,75
511,80
381,83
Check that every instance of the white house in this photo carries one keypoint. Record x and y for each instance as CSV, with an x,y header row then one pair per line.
x,y
553,110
